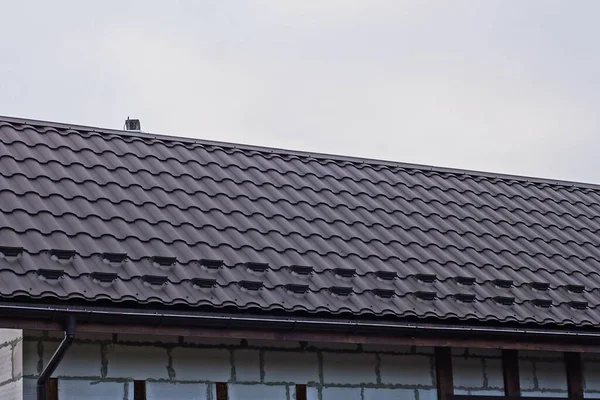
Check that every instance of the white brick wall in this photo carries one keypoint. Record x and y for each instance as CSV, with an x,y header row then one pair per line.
x,y
258,391
468,372
10,335
407,370
12,390
18,359
287,366
81,360
542,374
494,375
170,390
78,389
247,365
527,375
591,375
11,364
187,369
31,357
551,375
191,364
388,394
477,372
137,362
6,367
339,393
347,368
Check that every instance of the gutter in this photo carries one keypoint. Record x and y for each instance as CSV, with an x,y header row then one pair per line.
x,y
176,318
56,358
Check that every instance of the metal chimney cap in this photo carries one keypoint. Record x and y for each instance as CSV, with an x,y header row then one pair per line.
x,y
133,125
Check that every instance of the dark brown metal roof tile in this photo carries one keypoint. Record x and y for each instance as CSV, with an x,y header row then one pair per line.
x,y
100,194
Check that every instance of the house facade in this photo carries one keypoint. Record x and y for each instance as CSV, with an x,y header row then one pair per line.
x,y
138,266
107,366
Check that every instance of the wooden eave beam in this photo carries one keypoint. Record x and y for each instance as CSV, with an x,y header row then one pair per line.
x,y
443,372
574,370
510,371
289,335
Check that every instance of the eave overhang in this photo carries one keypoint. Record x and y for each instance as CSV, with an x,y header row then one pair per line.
x,y
286,328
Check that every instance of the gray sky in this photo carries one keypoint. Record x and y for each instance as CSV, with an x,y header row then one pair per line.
x,y
497,85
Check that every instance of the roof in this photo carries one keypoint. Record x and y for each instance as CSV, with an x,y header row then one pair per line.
x,y
102,216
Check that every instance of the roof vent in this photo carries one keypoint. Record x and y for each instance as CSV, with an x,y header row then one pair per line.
x,y
426,278
579,305
345,272
164,261
52,274
11,251
114,257
503,283
212,264
386,275
464,280
575,288
384,293
341,290
204,283
257,266
465,297
251,285
540,285
155,280
105,277
426,295
545,303
295,288
133,125
505,300
302,269
62,254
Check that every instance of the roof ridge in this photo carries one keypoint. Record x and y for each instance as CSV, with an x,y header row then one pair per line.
x,y
301,153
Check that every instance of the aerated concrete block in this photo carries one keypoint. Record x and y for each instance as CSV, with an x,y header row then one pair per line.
x,y
294,367
345,368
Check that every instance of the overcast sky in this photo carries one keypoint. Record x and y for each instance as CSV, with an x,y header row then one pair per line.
x,y
507,86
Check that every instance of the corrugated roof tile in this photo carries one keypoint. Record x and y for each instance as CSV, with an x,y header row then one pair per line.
x,y
156,220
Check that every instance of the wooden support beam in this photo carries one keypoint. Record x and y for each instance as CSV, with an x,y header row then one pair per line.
x,y
510,370
52,389
443,372
139,390
300,392
574,371
222,392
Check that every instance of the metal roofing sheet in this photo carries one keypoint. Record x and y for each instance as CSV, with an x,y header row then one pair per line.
x,y
97,215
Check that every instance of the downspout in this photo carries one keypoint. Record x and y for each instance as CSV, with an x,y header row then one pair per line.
x,y
56,358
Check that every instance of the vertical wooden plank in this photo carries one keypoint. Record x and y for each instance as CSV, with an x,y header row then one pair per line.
x,y
222,391
443,372
52,389
300,392
139,390
574,371
510,370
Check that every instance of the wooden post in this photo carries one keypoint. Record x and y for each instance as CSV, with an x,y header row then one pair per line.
x,y
52,389
510,370
221,389
139,390
300,392
443,372
574,375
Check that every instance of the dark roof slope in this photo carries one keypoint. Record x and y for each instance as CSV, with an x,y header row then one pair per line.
x,y
112,216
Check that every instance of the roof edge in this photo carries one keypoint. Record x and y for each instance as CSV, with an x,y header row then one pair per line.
x,y
301,153
249,326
